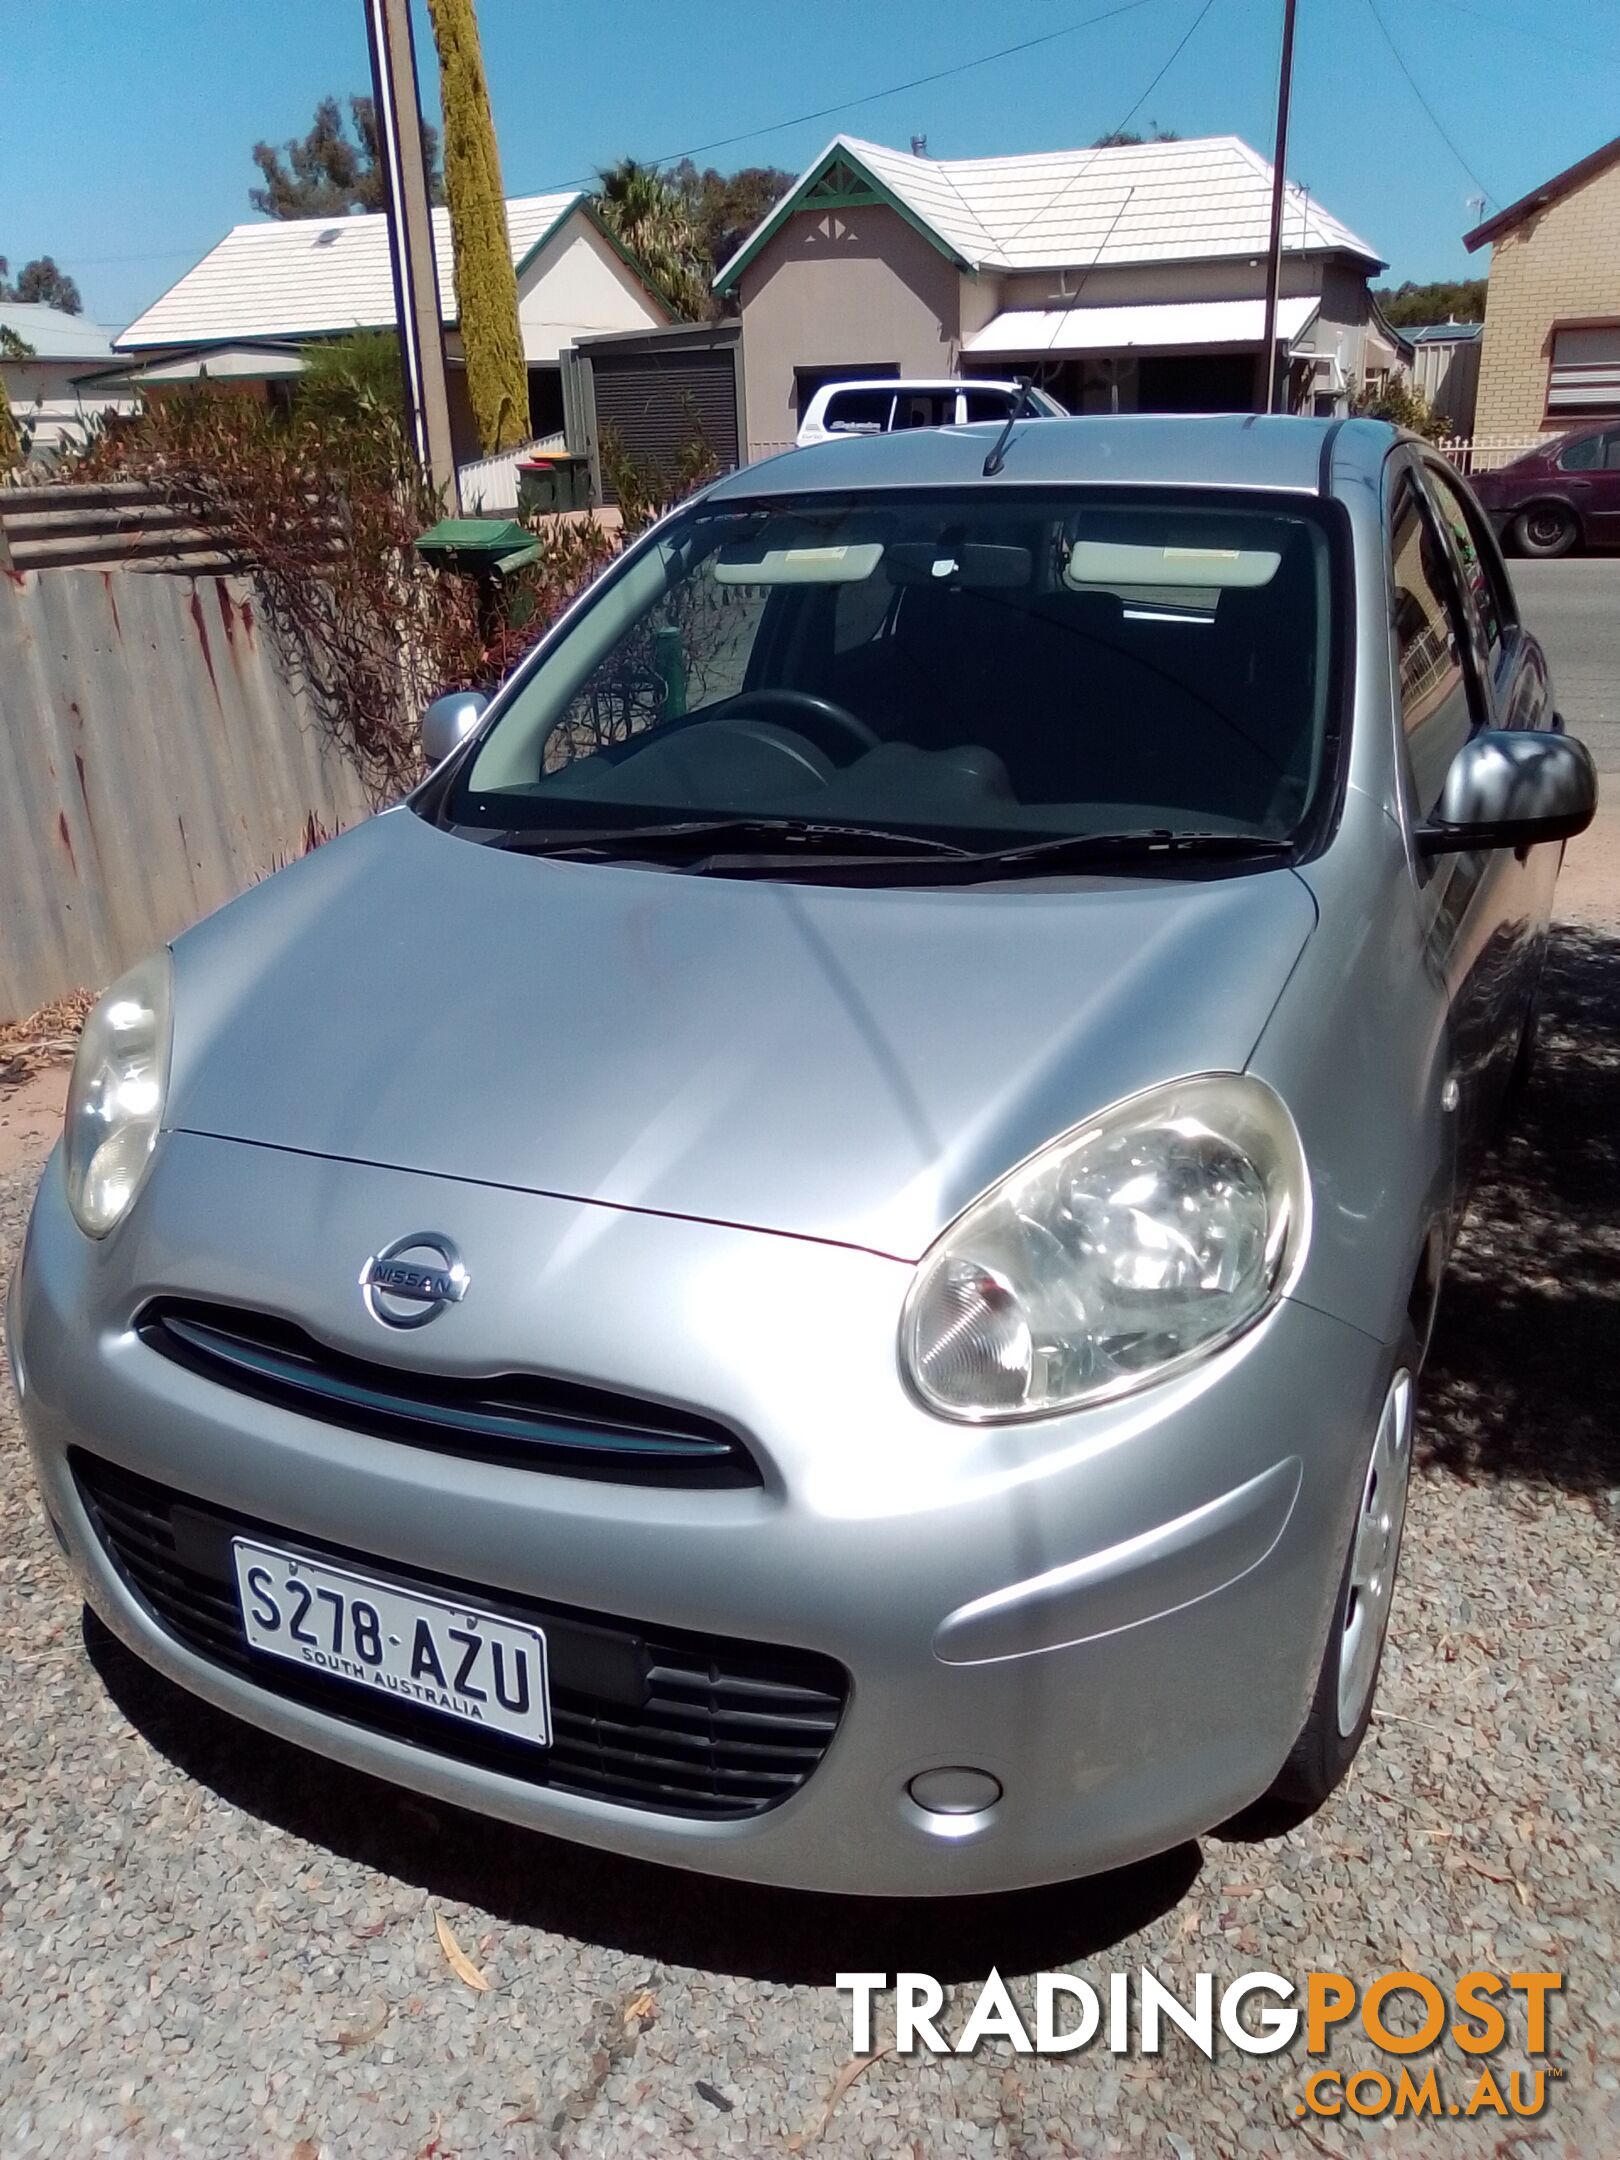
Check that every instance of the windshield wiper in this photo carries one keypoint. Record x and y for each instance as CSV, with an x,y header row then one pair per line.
x,y
1149,845
706,836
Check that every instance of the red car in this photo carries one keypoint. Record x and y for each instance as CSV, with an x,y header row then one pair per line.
x,y
1564,494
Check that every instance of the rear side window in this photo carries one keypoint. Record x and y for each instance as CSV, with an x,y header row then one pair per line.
x,y
987,404
1436,710
1486,600
925,408
858,412
1582,456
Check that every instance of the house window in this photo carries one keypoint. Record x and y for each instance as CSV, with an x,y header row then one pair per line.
x,y
1583,380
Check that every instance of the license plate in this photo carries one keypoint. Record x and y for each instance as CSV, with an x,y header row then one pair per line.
x,y
474,1666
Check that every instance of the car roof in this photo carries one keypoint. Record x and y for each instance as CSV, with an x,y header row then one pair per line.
x,y
916,382
1227,450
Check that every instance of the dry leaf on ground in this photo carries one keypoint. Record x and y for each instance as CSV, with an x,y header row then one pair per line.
x,y
347,2041
840,2085
456,1958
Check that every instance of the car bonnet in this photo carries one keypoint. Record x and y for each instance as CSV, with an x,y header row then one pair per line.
x,y
852,1064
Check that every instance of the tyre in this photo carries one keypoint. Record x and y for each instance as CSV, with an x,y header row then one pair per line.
x,y
1347,1682
1545,529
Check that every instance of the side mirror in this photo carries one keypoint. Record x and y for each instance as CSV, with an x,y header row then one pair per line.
x,y
1510,788
449,720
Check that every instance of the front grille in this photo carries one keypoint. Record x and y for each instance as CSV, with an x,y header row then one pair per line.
x,y
649,1717
514,1418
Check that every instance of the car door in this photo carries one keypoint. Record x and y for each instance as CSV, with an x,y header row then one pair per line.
x,y
1443,700
1511,666
1603,492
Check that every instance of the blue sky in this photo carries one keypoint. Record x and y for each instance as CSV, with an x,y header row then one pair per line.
x,y
124,143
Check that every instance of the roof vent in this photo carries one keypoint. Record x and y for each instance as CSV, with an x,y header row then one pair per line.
x,y
919,145
327,238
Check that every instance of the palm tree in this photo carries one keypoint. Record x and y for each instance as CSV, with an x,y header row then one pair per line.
x,y
653,221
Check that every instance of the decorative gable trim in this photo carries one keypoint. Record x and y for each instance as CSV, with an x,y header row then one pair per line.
x,y
837,181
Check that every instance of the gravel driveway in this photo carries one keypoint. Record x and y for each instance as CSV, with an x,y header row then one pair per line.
x,y
211,1944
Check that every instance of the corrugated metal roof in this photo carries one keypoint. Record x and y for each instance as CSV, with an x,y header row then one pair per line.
x,y
1164,326
55,335
296,277
1208,197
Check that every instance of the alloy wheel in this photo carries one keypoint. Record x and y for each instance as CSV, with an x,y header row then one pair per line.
x,y
1377,1550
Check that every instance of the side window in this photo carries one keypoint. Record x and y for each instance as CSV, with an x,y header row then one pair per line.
x,y
1436,710
1611,450
858,412
1486,600
1583,454
987,404
925,408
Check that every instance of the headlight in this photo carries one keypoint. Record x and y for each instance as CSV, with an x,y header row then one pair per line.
x,y
1122,1253
115,1099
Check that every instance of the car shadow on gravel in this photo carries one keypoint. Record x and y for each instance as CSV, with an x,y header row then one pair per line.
x,y
665,1915
1523,1377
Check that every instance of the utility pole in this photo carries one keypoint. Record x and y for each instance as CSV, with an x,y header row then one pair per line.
x,y
410,244
1266,372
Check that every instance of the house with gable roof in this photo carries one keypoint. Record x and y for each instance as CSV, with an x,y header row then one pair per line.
x,y
242,316
1124,279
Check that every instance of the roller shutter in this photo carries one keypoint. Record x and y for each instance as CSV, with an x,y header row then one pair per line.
x,y
658,400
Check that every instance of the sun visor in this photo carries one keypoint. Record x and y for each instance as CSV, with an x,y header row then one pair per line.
x,y
752,564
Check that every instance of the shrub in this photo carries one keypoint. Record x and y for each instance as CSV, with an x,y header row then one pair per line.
x,y
324,509
1401,402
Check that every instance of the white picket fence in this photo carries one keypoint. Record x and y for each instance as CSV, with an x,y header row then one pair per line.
x,y
1484,453
489,486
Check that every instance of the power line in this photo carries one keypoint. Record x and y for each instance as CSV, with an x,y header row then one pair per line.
x,y
773,127
1118,129
1533,32
89,262
872,97
1439,127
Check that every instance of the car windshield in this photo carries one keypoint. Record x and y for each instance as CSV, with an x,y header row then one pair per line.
x,y
956,669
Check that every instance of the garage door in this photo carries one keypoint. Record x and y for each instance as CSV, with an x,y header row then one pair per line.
x,y
659,402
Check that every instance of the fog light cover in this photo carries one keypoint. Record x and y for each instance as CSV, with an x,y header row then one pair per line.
x,y
1125,1251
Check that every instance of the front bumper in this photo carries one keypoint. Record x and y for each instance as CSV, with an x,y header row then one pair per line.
x,y
1118,1614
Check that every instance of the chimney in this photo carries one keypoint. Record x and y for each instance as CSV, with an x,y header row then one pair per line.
x,y
919,145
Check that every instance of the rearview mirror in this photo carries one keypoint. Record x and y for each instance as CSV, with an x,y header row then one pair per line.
x,y
1509,788
449,720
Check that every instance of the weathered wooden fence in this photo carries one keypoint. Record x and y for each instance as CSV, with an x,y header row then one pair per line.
x,y
154,760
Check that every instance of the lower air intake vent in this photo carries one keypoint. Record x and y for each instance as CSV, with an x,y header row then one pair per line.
x,y
649,1717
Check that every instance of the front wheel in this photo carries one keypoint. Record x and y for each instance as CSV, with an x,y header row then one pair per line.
x,y
1545,529
1342,1705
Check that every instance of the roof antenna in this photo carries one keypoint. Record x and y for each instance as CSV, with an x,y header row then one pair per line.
x,y
998,449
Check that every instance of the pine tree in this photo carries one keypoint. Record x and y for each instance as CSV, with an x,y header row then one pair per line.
x,y
486,286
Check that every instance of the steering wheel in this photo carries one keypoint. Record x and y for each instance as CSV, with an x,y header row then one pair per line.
x,y
831,720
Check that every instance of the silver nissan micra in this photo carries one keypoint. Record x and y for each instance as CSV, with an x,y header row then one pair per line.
x,y
812,1263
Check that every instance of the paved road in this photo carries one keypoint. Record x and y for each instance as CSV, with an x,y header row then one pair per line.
x,y
1574,608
